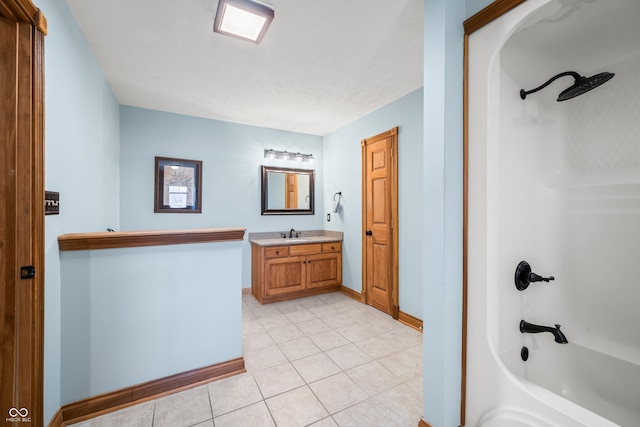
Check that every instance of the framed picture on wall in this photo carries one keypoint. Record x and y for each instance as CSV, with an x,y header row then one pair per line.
x,y
178,186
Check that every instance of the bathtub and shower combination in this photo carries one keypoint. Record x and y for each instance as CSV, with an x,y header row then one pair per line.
x,y
555,184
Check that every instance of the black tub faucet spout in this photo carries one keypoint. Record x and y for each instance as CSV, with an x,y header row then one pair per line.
x,y
530,328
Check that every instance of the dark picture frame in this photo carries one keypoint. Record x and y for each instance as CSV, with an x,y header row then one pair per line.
x,y
268,207
178,185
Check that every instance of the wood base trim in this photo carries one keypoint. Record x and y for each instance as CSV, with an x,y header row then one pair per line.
x,y
109,402
246,291
352,294
56,421
410,320
423,423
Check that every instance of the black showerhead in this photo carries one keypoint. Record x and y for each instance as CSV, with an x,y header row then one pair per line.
x,y
580,86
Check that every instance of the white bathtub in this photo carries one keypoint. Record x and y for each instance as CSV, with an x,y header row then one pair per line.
x,y
603,384
557,185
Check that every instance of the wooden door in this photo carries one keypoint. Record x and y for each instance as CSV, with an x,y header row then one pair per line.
x,y
283,275
22,30
380,207
324,270
291,192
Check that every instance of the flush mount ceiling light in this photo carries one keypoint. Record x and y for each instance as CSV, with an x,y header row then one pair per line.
x,y
243,19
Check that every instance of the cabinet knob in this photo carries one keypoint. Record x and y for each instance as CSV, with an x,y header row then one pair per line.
x,y
277,252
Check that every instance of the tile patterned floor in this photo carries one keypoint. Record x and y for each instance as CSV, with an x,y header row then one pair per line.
x,y
321,361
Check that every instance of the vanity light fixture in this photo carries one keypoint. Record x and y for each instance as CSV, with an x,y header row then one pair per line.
x,y
243,19
270,153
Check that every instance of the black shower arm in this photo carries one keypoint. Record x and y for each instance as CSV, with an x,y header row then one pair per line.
x,y
523,93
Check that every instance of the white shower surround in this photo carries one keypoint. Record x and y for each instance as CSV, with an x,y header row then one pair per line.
x,y
557,185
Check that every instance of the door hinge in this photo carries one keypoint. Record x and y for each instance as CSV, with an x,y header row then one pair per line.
x,y
27,272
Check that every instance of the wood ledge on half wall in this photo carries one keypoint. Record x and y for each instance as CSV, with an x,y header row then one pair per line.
x,y
132,239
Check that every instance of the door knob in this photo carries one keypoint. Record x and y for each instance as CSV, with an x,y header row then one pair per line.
x,y
369,233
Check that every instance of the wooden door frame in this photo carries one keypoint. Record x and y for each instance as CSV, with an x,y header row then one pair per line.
x,y
27,134
393,133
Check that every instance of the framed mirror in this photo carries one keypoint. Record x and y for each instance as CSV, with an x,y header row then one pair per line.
x,y
287,191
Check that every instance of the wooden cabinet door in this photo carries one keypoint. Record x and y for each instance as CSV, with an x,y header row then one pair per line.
x,y
282,275
324,269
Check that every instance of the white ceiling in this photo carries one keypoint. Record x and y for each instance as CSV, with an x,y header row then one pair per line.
x,y
321,65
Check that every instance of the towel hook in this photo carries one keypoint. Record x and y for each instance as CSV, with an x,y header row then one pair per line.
x,y
339,194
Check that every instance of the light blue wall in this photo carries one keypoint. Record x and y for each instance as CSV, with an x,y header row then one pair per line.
x,y
474,6
231,178
81,162
134,315
343,172
443,206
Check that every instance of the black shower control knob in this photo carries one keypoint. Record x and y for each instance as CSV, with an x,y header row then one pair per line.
x,y
524,276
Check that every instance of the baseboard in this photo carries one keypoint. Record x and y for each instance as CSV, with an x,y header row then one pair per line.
x,y
246,291
403,317
351,293
410,320
423,423
56,421
119,399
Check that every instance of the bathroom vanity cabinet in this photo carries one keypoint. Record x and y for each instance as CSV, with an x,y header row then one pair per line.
x,y
295,270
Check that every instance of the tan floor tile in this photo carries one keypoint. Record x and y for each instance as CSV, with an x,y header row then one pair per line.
x,y
313,327
315,367
328,340
404,338
256,415
403,363
356,332
252,327
368,413
404,402
348,356
256,341
311,302
264,311
256,360
326,422
300,316
278,379
288,306
183,409
285,333
299,348
338,392
134,416
324,311
374,378
338,321
376,347
232,393
296,408
276,321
